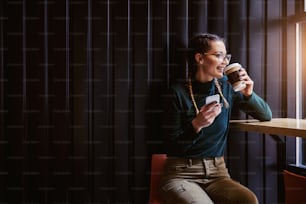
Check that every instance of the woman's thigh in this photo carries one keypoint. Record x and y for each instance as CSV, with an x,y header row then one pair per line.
x,y
180,191
228,191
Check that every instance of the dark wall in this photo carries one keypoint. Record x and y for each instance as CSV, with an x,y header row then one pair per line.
x,y
80,93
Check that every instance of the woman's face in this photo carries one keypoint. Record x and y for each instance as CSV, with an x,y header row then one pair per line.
x,y
212,63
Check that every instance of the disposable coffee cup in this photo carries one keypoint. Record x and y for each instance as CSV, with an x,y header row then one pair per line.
x,y
232,73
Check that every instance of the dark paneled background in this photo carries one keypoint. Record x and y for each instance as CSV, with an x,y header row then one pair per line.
x,y
80,92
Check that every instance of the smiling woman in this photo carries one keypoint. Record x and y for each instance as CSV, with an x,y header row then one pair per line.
x,y
195,131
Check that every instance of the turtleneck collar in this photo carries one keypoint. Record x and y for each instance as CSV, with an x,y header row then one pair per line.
x,y
203,88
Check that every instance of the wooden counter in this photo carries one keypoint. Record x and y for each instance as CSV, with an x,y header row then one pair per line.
x,y
277,126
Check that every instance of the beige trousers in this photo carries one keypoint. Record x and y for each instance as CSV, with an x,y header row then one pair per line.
x,y
201,181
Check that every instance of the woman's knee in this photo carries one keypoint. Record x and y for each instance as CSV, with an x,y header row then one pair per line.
x,y
246,197
183,192
229,191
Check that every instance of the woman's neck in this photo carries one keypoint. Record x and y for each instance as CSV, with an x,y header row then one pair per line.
x,y
203,78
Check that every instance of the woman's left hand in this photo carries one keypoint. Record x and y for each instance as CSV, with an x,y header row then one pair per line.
x,y
247,92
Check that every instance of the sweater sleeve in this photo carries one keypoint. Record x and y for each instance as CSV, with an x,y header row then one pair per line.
x,y
255,106
178,131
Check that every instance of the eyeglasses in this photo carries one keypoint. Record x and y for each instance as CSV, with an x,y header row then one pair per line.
x,y
221,56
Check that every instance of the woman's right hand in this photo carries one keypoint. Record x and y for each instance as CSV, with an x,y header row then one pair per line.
x,y
206,116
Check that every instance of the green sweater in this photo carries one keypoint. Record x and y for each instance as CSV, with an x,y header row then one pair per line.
x,y
181,139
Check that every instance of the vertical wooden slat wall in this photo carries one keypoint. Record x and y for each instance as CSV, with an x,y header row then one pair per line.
x,y
104,158
81,82
273,49
2,112
79,37
14,121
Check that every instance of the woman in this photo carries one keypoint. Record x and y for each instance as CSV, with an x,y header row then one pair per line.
x,y
196,133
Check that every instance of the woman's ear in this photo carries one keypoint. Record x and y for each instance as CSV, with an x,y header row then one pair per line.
x,y
199,58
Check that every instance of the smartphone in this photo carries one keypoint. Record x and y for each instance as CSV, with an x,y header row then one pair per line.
x,y
213,98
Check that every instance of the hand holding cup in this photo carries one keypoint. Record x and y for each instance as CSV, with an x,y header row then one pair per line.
x,y
232,72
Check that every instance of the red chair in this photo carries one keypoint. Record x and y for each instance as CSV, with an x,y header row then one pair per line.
x,y
157,167
295,188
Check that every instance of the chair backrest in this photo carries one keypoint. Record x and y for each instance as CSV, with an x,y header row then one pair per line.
x,y
295,188
157,166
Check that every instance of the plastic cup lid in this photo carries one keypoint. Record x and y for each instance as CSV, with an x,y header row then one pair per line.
x,y
231,66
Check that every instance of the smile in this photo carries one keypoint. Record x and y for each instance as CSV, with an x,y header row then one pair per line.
x,y
220,68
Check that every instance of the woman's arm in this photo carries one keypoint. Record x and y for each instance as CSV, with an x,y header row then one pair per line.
x,y
255,106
